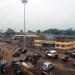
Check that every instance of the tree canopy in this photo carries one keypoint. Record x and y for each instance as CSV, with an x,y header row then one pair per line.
x,y
69,31
9,32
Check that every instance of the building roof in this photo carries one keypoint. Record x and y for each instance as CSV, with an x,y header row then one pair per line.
x,y
27,35
48,42
47,63
64,43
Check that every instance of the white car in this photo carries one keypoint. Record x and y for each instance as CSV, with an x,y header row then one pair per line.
x,y
51,53
27,66
47,67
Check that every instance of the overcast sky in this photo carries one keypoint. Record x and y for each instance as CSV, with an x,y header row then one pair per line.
x,y
40,14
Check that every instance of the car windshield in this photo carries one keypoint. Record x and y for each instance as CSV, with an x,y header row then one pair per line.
x,y
47,66
18,63
51,52
35,53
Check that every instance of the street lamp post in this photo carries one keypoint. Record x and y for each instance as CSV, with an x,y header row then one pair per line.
x,y
24,2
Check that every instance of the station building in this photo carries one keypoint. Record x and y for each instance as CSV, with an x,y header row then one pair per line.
x,y
44,43
65,42
59,42
55,44
29,39
65,45
38,43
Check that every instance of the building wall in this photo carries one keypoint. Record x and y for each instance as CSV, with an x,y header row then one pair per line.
x,y
29,39
64,45
58,45
38,43
73,45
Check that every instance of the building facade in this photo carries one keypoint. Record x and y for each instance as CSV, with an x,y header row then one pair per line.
x,y
55,44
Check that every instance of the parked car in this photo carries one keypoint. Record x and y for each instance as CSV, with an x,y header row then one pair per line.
x,y
65,58
74,63
72,54
4,68
17,66
67,53
17,54
19,49
14,61
36,55
51,53
27,66
47,67
31,59
24,50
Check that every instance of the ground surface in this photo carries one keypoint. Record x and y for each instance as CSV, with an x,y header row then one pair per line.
x,y
62,68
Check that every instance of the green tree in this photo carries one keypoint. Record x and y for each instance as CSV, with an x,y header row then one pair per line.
x,y
29,31
21,32
38,32
9,32
69,32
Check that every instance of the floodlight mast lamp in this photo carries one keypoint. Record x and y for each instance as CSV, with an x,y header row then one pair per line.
x,y
24,2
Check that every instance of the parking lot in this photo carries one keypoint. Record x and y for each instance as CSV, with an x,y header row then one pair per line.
x,y
62,68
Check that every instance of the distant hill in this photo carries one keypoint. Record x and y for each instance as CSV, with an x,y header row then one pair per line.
x,y
59,32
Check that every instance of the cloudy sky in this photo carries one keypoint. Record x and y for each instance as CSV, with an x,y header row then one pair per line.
x,y
40,14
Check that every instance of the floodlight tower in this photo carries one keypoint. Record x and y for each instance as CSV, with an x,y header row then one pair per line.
x,y
24,2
